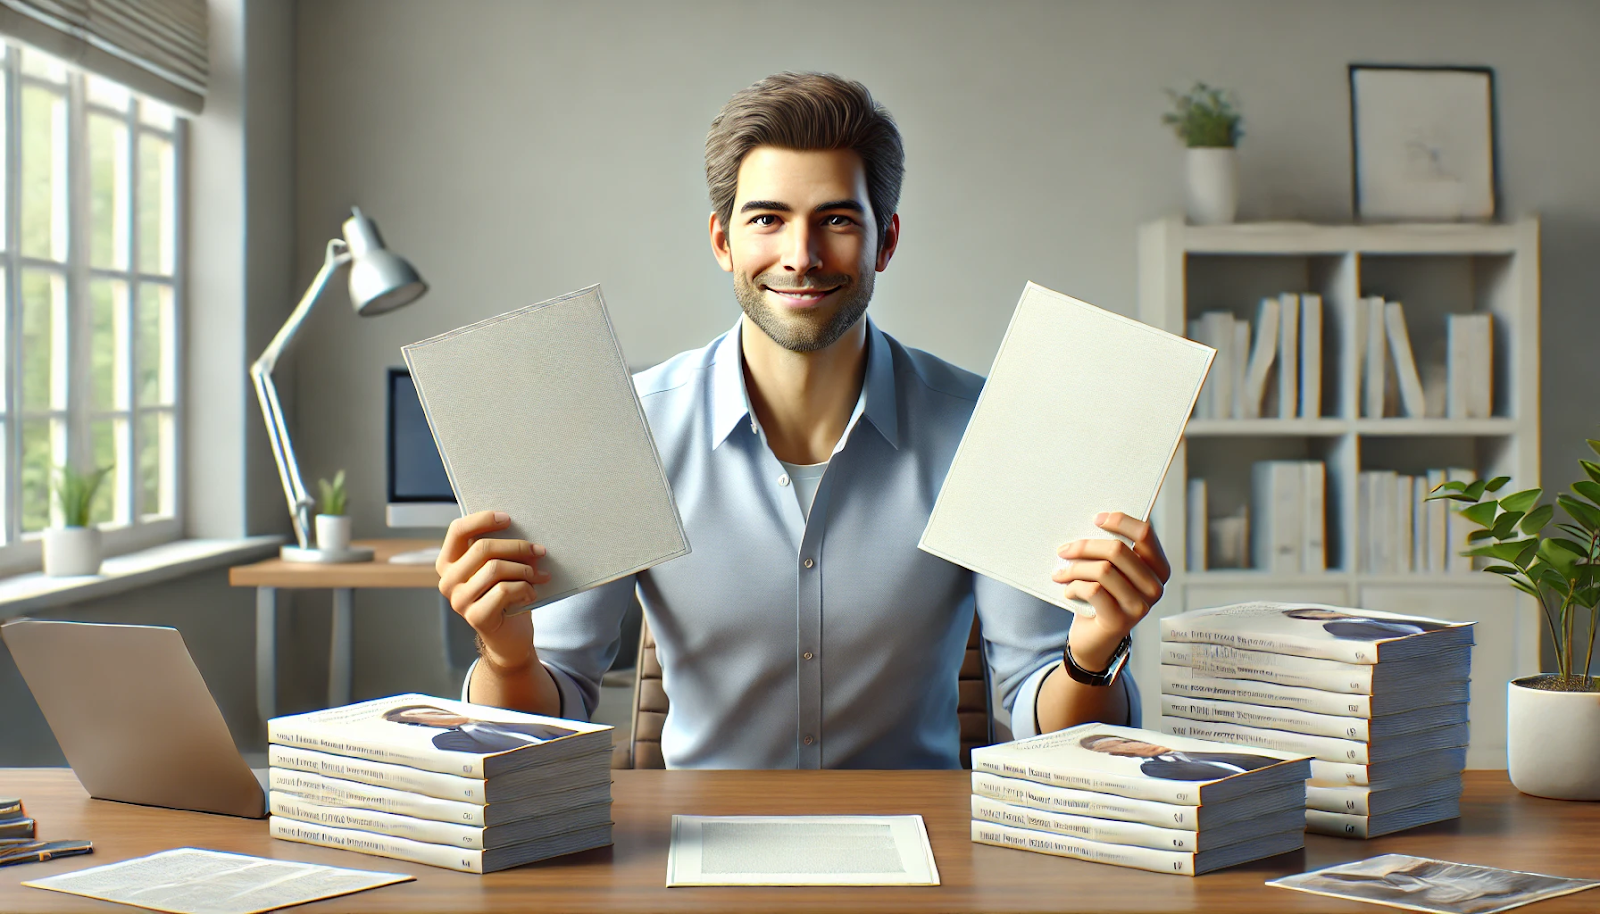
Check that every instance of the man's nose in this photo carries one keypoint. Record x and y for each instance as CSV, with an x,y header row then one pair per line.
x,y
801,255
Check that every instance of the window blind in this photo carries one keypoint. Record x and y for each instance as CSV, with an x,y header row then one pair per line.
x,y
154,47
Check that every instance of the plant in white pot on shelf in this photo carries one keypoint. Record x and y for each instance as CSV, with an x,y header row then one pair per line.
x,y
1553,725
333,525
74,547
1208,122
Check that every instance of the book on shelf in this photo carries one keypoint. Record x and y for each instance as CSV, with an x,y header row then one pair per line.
x,y
1313,516
1216,329
1310,355
1405,500
1241,367
1288,355
1141,764
437,734
442,855
1263,352
1469,366
1338,726
1438,520
1360,636
327,791
1405,365
1350,825
1099,805
1195,543
1376,801
1275,493
1323,748
1405,696
1419,524
433,831
1370,320
1224,662
1137,834
1143,858
1230,540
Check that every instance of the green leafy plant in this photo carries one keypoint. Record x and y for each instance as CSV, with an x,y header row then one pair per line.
x,y
1561,571
1204,117
333,494
75,493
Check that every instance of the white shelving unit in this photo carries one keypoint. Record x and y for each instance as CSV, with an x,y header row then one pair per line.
x,y
1433,270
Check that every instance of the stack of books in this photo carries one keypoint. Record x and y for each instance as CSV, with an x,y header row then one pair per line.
x,y
1286,345
1138,798
1402,531
440,782
1378,700
15,826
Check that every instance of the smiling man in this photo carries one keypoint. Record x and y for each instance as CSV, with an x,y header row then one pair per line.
x,y
805,448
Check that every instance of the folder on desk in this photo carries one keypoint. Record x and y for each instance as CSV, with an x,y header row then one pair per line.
x,y
535,414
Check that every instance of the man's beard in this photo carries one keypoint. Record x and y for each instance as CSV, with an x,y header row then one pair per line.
x,y
804,330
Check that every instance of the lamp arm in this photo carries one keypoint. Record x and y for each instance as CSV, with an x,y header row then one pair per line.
x,y
294,490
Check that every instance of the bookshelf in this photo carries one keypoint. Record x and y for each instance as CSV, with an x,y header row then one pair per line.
x,y
1433,270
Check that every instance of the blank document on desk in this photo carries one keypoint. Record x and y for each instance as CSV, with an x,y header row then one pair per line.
x,y
800,850
1082,413
535,414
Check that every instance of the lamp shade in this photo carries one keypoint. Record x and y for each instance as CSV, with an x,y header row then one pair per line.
x,y
380,280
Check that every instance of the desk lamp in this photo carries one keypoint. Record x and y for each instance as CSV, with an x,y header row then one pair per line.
x,y
380,282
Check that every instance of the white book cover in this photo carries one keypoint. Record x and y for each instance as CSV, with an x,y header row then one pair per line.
x,y
1142,858
448,787
1405,365
440,855
1195,544
1373,394
1186,680
1087,828
1421,767
1216,331
1262,355
1241,368
1310,355
1082,413
535,414
1457,528
1405,499
1094,803
1385,484
1276,501
337,792
1317,630
1313,516
1480,389
1438,525
1129,762
1368,801
1468,366
433,831
1288,355
1265,739
1338,726
437,734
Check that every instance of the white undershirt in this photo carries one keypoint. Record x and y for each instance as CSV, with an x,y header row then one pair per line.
x,y
805,478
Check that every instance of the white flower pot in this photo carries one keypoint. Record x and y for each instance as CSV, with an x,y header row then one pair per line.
x,y
1553,742
1213,184
333,532
71,551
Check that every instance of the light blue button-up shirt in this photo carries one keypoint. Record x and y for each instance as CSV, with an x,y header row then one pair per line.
x,y
789,641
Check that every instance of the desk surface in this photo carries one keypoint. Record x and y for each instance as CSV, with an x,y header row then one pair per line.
x,y
376,573
1499,827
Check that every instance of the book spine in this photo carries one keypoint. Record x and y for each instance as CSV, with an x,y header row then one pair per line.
x,y
1252,715
1033,795
1457,366
1262,355
1040,842
1362,652
1339,774
1384,485
1405,499
1288,355
1313,516
1438,524
1311,355
1139,788
304,735
1181,680
1405,366
1339,825
1349,800
1373,359
334,792
397,777
1087,828
1419,524
1265,666
1218,328
1323,747
1241,368
1480,402
395,826
1196,530
363,842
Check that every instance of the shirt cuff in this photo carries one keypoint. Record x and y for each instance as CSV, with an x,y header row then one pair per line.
x,y
571,695
1025,710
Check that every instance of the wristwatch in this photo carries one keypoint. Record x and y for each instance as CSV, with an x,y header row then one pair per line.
x,y
1104,677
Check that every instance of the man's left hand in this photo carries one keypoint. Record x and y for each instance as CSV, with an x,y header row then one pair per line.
x,y
1120,582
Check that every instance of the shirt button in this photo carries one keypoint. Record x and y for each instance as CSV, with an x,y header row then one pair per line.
x,y
808,563
807,655
783,480
809,740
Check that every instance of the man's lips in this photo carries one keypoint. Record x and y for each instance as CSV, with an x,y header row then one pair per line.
x,y
802,296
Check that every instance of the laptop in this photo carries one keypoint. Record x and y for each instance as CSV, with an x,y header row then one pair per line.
x,y
133,717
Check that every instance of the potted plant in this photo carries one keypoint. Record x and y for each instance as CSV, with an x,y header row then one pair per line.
x,y
1553,725
74,547
1207,121
333,525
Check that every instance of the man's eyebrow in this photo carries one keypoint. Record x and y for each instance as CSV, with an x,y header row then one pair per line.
x,y
850,204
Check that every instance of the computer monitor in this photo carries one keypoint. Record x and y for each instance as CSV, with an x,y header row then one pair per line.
x,y
419,488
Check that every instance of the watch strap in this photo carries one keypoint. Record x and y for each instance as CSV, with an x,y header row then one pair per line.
x,y
1103,677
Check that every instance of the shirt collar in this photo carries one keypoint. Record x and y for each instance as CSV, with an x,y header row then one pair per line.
x,y
730,401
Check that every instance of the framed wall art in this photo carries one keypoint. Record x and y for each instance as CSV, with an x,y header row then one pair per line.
x,y
1423,143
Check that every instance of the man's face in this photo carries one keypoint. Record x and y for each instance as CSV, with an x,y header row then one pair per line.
x,y
1129,747
430,717
802,244
1319,615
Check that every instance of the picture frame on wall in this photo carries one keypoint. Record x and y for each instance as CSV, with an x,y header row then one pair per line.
x,y
1423,143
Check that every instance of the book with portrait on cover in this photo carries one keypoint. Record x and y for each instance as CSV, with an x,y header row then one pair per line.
x,y
1345,634
535,414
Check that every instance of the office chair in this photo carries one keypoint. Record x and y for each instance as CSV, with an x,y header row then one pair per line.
x,y
643,750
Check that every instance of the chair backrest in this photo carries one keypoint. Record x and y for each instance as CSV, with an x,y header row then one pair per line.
x,y
650,705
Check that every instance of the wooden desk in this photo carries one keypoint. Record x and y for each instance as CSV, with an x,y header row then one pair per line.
x,y
1499,827
343,579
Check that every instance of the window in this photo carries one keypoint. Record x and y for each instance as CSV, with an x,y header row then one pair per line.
x,y
90,256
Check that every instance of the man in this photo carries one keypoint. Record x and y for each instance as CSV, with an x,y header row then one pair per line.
x,y
468,734
805,449
1174,764
1363,628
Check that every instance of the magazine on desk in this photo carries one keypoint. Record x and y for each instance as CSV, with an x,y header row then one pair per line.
x,y
1317,630
437,734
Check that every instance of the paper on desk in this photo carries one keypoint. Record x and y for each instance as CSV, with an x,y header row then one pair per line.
x,y
1082,413
189,880
800,850
1421,884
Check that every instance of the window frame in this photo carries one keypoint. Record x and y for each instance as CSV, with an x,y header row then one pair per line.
x,y
20,551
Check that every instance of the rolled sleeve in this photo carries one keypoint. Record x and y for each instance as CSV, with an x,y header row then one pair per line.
x,y
1025,712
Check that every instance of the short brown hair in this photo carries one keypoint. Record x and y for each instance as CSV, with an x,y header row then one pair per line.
x,y
806,111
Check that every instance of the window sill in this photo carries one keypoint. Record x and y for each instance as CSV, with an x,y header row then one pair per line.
x,y
25,593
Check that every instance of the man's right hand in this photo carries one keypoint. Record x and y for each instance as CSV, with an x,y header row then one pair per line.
x,y
485,579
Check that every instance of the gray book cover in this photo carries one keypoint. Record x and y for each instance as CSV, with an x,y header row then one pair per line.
x,y
1082,413
535,414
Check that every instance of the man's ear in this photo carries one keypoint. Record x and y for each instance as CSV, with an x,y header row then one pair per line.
x,y
719,245
891,239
